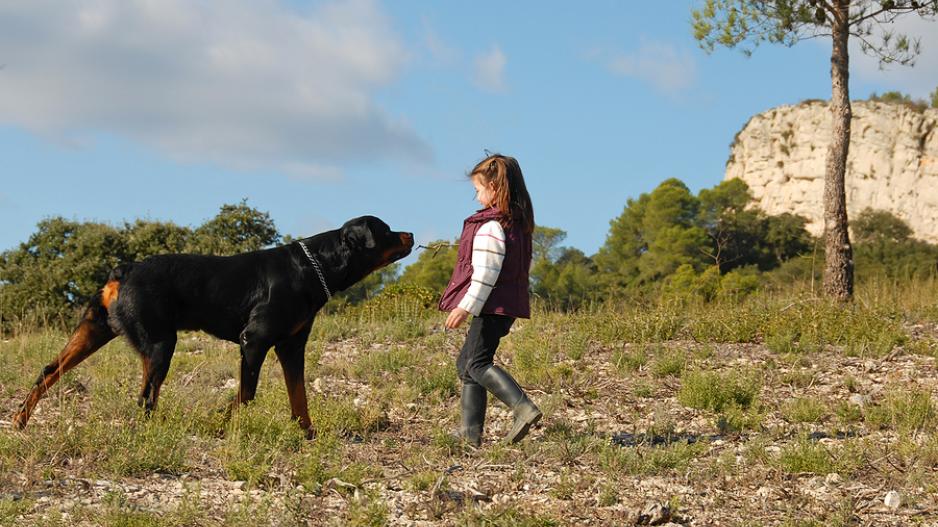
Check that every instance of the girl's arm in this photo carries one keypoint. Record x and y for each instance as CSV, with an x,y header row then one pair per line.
x,y
488,253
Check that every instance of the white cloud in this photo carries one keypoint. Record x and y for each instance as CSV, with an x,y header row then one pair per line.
x,y
247,84
660,64
918,81
439,50
489,71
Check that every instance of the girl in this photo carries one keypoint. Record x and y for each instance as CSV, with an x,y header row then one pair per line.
x,y
490,282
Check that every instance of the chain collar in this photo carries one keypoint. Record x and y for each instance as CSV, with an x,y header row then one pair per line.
x,y
322,279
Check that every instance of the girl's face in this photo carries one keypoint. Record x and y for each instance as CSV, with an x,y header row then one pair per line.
x,y
485,193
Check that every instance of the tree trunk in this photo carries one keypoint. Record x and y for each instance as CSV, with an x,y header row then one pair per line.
x,y
838,268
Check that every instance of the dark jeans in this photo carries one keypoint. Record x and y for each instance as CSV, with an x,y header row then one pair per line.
x,y
482,340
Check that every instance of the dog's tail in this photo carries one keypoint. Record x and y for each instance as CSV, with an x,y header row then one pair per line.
x,y
92,333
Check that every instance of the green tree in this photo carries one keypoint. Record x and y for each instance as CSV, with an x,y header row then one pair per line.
x,y
731,23
545,242
235,229
934,98
567,283
904,99
617,260
893,97
878,225
59,268
786,237
563,276
146,238
654,235
433,267
736,233
671,231
886,249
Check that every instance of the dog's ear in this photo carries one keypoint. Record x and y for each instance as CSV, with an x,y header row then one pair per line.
x,y
358,237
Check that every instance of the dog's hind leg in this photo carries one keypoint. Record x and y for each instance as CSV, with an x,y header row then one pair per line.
x,y
290,353
92,333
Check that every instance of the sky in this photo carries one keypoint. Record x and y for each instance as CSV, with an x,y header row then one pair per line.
x,y
318,112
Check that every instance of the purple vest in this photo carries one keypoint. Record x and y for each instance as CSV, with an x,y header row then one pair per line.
x,y
510,295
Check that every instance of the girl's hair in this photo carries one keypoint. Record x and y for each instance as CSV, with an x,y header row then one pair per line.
x,y
511,194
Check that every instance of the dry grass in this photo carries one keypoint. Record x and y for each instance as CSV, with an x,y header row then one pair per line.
x,y
749,404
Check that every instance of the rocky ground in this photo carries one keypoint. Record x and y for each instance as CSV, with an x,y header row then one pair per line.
x,y
827,440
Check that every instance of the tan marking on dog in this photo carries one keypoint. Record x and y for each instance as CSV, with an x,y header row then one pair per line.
x,y
109,293
299,326
82,343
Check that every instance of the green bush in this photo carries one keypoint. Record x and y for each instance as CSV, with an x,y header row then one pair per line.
x,y
714,391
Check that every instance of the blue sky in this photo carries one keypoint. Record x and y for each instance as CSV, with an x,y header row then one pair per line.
x,y
317,112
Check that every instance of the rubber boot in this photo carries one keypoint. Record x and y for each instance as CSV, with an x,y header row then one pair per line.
x,y
503,386
473,403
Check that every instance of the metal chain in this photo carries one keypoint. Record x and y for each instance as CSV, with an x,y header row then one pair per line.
x,y
322,279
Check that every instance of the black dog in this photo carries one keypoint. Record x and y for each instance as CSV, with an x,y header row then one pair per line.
x,y
259,300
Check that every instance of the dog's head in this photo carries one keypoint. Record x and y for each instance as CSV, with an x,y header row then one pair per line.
x,y
370,245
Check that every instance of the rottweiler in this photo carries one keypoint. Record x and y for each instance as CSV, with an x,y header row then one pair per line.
x,y
259,300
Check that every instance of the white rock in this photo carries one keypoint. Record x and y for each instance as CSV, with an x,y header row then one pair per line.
x,y
893,163
859,399
892,500
833,479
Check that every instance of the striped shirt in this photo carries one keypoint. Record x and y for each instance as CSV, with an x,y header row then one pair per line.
x,y
488,253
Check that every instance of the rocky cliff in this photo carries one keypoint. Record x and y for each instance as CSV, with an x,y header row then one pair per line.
x,y
893,162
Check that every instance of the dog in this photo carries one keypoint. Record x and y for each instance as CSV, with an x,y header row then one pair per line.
x,y
261,299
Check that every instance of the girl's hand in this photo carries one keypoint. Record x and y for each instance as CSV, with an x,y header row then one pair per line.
x,y
456,317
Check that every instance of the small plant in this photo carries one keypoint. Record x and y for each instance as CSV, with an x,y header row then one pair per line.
x,y
798,378
804,410
506,516
647,460
368,510
422,481
805,455
735,419
657,325
847,412
644,390
851,383
726,325
576,344
608,496
565,487
630,360
669,364
906,411
714,391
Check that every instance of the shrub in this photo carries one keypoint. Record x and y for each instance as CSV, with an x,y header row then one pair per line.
x,y
707,390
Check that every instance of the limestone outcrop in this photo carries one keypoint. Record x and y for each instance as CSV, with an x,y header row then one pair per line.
x,y
892,165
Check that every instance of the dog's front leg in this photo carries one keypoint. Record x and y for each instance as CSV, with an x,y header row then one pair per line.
x,y
157,356
291,353
253,352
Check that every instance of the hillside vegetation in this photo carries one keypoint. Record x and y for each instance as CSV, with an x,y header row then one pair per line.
x,y
778,409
